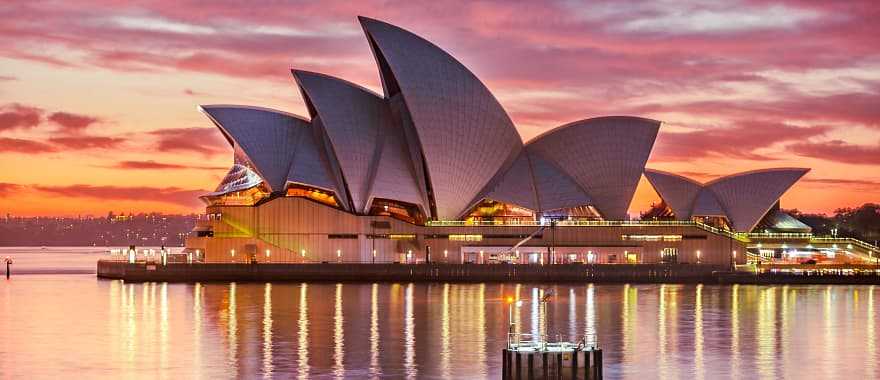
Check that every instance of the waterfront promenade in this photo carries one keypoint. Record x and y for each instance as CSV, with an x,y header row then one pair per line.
x,y
438,272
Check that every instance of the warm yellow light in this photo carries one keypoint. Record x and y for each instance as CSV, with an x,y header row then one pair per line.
x,y
374,253
509,299
268,253
232,252
338,253
302,252
445,253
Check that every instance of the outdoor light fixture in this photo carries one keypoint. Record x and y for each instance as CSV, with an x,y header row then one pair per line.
x,y
232,252
302,252
445,253
338,253
268,253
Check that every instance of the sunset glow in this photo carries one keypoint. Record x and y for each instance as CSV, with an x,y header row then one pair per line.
x,y
98,99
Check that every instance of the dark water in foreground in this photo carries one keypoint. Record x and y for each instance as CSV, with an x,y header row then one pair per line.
x,y
72,324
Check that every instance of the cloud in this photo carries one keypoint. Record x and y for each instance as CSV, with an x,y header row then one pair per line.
x,y
191,92
12,145
740,141
9,188
71,122
206,141
862,183
17,116
153,165
839,151
171,195
690,18
87,142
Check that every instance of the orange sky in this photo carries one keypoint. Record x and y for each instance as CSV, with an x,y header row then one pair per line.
x,y
98,100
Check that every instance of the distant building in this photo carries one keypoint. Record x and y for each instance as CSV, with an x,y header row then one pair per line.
x,y
434,169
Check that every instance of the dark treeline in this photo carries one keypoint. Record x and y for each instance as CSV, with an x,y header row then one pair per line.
x,y
862,222
112,230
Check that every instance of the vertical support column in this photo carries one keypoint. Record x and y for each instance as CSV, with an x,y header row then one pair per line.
x,y
504,373
509,364
518,366
597,358
587,365
546,366
531,366
574,364
559,365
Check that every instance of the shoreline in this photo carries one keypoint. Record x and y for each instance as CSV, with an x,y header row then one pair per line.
x,y
460,273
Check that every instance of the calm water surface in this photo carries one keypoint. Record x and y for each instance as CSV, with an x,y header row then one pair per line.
x,y
58,322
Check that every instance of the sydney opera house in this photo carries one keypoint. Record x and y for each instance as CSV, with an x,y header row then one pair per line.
x,y
434,170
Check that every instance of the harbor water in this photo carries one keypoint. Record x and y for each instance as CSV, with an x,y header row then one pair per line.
x,y
58,319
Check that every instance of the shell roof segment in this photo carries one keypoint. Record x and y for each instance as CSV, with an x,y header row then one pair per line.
x,y
465,136
264,135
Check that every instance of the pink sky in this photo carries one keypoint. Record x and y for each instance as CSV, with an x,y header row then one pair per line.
x,y
98,98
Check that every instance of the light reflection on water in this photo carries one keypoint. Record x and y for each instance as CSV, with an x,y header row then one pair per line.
x,y
51,324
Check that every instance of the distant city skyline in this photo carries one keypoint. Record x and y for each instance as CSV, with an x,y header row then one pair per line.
x,y
98,101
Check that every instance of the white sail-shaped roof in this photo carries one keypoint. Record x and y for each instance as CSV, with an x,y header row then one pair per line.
x,y
742,198
746,197
555,189
517,185
395,176
464,134
312,167
678,192
605,156
265,136
706,204
353,118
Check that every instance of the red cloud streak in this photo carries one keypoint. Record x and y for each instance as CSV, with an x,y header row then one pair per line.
x,y
71,122
172,195
13,116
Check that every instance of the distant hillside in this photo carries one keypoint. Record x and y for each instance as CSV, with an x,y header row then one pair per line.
x,y
112,230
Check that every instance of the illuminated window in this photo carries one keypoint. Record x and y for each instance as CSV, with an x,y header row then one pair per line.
x,y
632,258
246,197
401,236
466,237
503,213
320,196
669,255
651,237
398,210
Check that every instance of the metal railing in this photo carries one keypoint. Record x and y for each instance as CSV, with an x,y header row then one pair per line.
x,y
846,240
590,223
551,342
778,235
